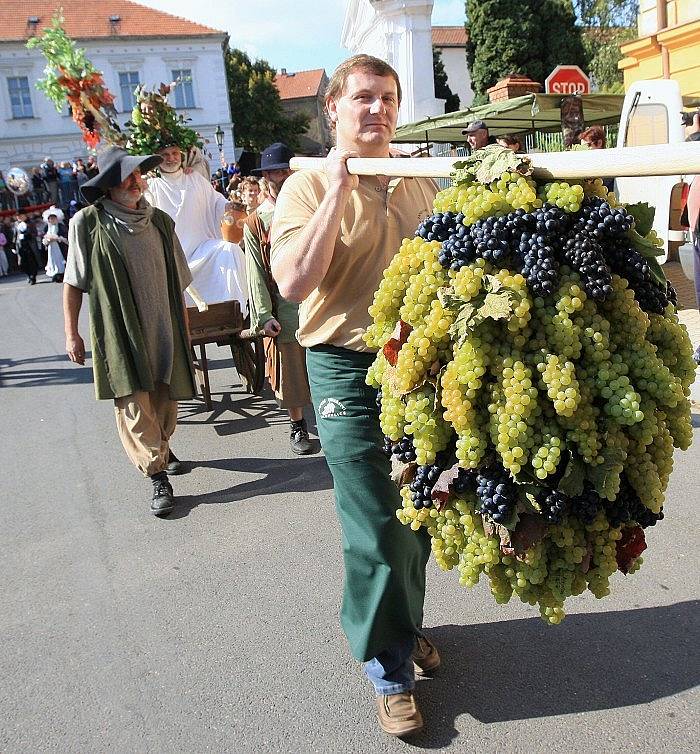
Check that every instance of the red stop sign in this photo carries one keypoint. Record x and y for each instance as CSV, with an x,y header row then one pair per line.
x,y
567,79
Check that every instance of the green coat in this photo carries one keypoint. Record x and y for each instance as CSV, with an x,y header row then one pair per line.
x,y
263,304
119,358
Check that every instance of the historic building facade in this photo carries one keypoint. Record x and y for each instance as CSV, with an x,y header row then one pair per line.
x,y
131,45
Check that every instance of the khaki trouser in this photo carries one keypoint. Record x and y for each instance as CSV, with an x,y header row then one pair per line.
x,y
146,422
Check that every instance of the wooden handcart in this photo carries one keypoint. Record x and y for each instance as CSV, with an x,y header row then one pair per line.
x,y
224,324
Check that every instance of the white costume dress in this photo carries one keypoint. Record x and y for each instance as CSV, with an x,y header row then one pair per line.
x,y
218,267
55,264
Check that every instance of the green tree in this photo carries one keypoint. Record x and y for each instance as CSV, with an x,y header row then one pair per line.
x,y
607,24
529,37
562,41
256,107
442,88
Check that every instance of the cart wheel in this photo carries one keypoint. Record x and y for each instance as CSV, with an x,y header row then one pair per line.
x,y
249,358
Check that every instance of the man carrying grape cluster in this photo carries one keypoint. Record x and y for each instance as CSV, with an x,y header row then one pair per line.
x,y
333,234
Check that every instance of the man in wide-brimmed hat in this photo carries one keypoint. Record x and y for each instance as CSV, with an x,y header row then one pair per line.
x,y
269,312
126,256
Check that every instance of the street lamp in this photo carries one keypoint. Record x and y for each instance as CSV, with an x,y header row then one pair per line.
x,y
219,136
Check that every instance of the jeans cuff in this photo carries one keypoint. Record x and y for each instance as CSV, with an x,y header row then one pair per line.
x,y
395,688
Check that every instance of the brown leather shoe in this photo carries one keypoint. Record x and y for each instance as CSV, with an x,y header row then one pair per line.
x,y
425,656
399,714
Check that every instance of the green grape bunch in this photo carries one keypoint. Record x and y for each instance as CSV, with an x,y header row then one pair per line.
x,y
542,367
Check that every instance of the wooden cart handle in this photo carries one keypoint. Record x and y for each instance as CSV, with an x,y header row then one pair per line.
x,y
662,159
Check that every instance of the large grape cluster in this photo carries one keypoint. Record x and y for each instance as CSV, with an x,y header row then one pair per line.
x,y
533,358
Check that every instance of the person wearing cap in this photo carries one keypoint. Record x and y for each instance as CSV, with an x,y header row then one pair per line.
x,y
54,239
125,255
269,312
333,235
477,134
217,266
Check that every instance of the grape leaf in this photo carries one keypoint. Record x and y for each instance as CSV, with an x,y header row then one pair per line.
x,y
402,473
442,491
645,246
492,284
498,305
530,530
449,299
643,214
571,483
489,164
398,338
464,323
630,547
605,475
657,272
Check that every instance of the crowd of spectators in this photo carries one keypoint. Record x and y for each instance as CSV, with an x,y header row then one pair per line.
x,y
55,183
22,224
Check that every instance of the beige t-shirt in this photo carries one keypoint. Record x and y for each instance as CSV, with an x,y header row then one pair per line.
x,y
374,223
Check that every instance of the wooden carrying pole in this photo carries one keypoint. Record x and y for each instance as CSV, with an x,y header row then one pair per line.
x,y
627,162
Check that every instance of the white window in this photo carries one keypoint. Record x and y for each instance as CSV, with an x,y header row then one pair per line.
x,y
20,98
128,81
647,124
184,93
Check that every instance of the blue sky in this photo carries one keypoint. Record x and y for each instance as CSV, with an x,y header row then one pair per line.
x,y
292,34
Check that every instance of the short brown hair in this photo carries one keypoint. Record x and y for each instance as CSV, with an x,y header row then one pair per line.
x,y
249,180
510,139
367,63
594,133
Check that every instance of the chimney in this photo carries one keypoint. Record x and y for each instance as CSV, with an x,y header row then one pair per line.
x,y
514,85
283,72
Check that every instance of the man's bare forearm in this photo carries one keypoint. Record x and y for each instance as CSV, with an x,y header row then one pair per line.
x,y
72,301
300,269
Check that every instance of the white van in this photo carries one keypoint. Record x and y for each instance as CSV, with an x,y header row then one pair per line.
x,y
651,114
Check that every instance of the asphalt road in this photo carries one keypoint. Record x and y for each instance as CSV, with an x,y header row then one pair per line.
x,y
217,630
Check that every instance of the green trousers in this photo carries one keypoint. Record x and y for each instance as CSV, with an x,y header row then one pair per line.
x,y
384,560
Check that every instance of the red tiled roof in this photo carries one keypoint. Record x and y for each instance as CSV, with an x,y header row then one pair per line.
x,y
449,36
299,84
89,19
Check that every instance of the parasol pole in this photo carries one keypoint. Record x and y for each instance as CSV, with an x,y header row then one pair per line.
x,y
627,162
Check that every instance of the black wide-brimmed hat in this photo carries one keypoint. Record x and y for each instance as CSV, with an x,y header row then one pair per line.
x,y
274,157
115,165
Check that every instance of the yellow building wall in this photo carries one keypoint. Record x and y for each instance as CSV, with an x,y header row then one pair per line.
x,y
642,58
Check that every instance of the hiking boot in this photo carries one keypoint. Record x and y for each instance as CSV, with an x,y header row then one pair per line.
x,y
398,714
163,501
175,465
425,656
299,438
